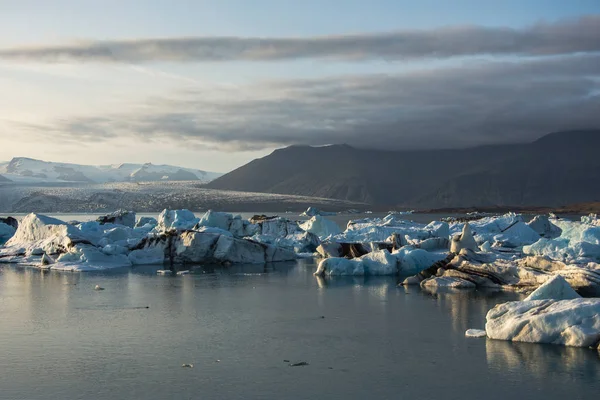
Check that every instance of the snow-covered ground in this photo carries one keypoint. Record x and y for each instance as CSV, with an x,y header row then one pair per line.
x,y
146,197
23,170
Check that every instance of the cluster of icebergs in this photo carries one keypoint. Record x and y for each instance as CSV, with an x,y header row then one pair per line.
x,y
553,255
176,237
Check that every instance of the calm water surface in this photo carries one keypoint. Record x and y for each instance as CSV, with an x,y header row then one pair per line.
x,y
60,339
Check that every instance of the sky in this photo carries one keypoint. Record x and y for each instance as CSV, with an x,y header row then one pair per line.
x,y
213,84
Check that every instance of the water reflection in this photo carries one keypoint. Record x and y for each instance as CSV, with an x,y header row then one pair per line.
x,y
543,360
463,305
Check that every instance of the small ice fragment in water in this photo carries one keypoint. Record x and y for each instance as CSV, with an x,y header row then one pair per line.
x,y
164,272
187,366
300,364
98,287
475,333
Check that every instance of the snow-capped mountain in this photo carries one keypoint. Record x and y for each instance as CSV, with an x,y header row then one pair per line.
x,y
28,170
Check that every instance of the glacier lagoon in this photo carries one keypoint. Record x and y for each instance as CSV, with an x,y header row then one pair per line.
x,y
241,327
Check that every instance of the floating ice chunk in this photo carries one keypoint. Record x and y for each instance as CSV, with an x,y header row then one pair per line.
x,y
39,234
84,257
438,229
379,262
556,288
143,221
517,235
176,219
164,272
591,219
447,282
340,267
475,333
412,261
230,249
322,227
434,243
463,241
216,219
279,227
542,225
564,322
486,247
312,211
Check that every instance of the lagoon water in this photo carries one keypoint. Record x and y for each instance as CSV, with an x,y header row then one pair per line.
x,y
60,339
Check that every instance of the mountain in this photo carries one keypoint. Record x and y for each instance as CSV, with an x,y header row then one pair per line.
x,y
560,168
28,170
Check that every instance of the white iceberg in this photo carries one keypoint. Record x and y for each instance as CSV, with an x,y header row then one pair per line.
x,y
542,225
411,261
84,257
555,288
312,211
564,322
38,234
517,235
144,221
340,267
322,227
379,262
176,219
447,282
464,241
475,333
216,219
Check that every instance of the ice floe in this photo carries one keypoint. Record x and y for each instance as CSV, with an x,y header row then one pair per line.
x,y
573,322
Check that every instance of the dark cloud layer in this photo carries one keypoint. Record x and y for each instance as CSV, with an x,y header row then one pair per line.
x,y
564,37
484,103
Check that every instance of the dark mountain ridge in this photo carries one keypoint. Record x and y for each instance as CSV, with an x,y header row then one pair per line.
x,y
557,169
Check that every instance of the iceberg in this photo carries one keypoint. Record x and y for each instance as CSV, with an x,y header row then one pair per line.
x,y
176,219
379,262
573,322
340,267
84,257
447,282
555,288
577,242
542,226
412,261
143,221
464,241
38,234
312,211
475,333
216,219
518,235
322,227
6,232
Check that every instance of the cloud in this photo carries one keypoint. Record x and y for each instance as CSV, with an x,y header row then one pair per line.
x,y
477,104
562,37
